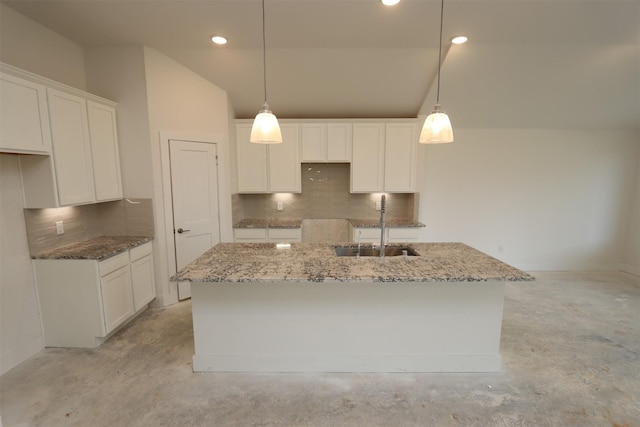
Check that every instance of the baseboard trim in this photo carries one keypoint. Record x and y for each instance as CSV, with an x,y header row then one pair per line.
x,y
16,356
550,266
362,363
632,269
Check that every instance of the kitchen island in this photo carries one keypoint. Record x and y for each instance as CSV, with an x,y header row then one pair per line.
x,y
301,308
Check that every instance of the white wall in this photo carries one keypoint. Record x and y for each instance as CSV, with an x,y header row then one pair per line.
x,y
21,333
30,46
181,101
538,199
632,259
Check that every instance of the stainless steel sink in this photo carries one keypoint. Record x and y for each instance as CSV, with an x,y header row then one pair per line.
x,y
368,251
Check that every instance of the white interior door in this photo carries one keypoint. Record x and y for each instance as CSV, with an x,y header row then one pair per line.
x,y
194,186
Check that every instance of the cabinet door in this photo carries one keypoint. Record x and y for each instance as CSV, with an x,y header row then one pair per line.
x,y
252,162
71,148
24,118
117,298
367,165
400,157
142,282
314,142
104,151
339,137
284,162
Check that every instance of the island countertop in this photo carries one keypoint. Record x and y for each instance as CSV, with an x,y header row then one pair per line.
x,y
317,262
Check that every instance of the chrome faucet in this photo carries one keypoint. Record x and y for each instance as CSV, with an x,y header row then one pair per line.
x,y
359,235
383,209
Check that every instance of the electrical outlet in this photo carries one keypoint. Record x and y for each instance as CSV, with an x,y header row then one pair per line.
x,y
378,205
279,206
500,249
59,227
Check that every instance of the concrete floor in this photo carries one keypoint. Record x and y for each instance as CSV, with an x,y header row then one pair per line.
x,y
570,347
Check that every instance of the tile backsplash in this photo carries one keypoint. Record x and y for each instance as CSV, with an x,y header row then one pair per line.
x,y
130,217
325,195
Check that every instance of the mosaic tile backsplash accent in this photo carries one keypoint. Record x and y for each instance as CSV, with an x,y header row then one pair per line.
x,y
325,195
117,218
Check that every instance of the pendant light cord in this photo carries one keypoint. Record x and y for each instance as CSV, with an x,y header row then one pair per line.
x,y
264,54
439,51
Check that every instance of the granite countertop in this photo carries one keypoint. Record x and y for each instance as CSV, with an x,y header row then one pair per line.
x,y
269,223
98,248
297,223
317,262
389,223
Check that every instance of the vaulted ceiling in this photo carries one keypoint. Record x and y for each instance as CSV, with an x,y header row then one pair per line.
x,y
527,64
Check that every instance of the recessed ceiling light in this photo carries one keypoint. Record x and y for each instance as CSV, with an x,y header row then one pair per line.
x,y
219,40
459,39
390,2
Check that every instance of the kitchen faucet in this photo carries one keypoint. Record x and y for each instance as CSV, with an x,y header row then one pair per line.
x,y
383,209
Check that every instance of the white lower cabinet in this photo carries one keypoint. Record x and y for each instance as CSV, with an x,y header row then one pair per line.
x,y
264,235
392,235
117,296
84,301
142,276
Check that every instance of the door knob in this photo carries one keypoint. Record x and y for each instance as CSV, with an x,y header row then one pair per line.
x,y
180,230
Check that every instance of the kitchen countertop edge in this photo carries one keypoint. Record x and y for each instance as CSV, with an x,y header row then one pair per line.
x,y
297,223
97,249
317,262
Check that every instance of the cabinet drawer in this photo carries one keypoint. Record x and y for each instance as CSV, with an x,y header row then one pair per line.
x,y
404,234
284,233
250,233
112,264
140,251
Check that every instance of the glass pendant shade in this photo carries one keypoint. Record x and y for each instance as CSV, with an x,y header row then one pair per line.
x,y
437,128
266,129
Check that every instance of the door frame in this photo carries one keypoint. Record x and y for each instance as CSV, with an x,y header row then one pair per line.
x,y
224,195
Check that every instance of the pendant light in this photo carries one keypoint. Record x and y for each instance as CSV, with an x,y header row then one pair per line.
x,y
437,126
266,129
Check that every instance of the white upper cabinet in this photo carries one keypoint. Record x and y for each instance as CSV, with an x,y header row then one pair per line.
x,y
85,165
326,142
104,151
24,117
268,168
284,162
252,162
367,165
384,157
75,130
401,151
71,148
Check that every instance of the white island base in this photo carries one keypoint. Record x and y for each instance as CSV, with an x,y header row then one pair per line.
x,y
347,326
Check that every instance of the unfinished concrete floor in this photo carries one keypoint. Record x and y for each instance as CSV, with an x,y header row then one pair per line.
x,y
571,357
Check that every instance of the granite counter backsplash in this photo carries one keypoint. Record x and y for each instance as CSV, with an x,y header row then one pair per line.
x,y
98,248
